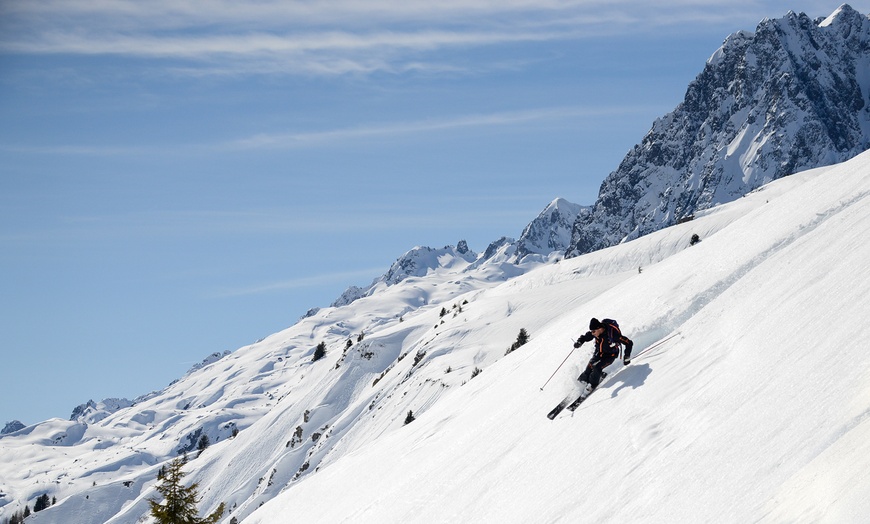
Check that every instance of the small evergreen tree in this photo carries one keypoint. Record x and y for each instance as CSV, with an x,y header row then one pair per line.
x,y
202,444
18,516
319,352
522,338
41,503
179,505
410,418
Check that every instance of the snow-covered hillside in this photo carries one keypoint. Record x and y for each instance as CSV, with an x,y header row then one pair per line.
x,y
546,237
756,410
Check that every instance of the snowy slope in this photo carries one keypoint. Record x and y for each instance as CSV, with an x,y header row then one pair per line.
x,y
758,410
755,410
545,237
268,392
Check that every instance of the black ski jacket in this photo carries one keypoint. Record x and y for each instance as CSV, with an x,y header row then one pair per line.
x,y
611,340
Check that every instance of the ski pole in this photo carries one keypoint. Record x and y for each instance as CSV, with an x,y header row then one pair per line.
x,y
557,369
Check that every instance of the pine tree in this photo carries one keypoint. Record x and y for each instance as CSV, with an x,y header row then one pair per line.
x,y
41,503
179,506
319,352
522,338
202,444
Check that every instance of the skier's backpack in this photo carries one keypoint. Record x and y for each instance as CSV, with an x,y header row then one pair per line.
x,y
612,325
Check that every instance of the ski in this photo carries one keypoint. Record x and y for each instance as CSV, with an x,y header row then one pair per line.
x,y
571,405
565,404
574,405
558,409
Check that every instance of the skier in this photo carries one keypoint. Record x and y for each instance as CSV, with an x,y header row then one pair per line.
x,y
608,341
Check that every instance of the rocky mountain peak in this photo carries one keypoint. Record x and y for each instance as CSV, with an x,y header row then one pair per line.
x,y
791,96
551,230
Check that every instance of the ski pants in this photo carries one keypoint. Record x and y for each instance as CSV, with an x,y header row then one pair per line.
x,y
592,374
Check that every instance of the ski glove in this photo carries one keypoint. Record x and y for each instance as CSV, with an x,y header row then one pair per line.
x,y
578,343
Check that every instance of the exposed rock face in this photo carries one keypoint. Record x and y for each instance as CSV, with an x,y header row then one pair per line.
x,y
551,230
792,96
12,427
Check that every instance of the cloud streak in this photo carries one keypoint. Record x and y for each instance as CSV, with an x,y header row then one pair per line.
x,y
331,137
300,282
398,129
259,44
335,37
169,14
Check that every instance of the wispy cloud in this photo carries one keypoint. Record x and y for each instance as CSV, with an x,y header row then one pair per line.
x,y
168,14
500,119
330,137
301,52
260,44
329,37
301,282
295,221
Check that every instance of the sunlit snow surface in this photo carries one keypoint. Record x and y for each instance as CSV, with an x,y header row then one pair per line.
x,y
757,410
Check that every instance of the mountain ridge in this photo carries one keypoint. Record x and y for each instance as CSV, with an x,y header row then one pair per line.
x,y
792,96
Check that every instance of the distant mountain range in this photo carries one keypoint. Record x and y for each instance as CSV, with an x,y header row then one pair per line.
x,y
792,96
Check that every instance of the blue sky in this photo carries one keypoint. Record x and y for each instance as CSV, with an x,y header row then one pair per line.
x,y
180,178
